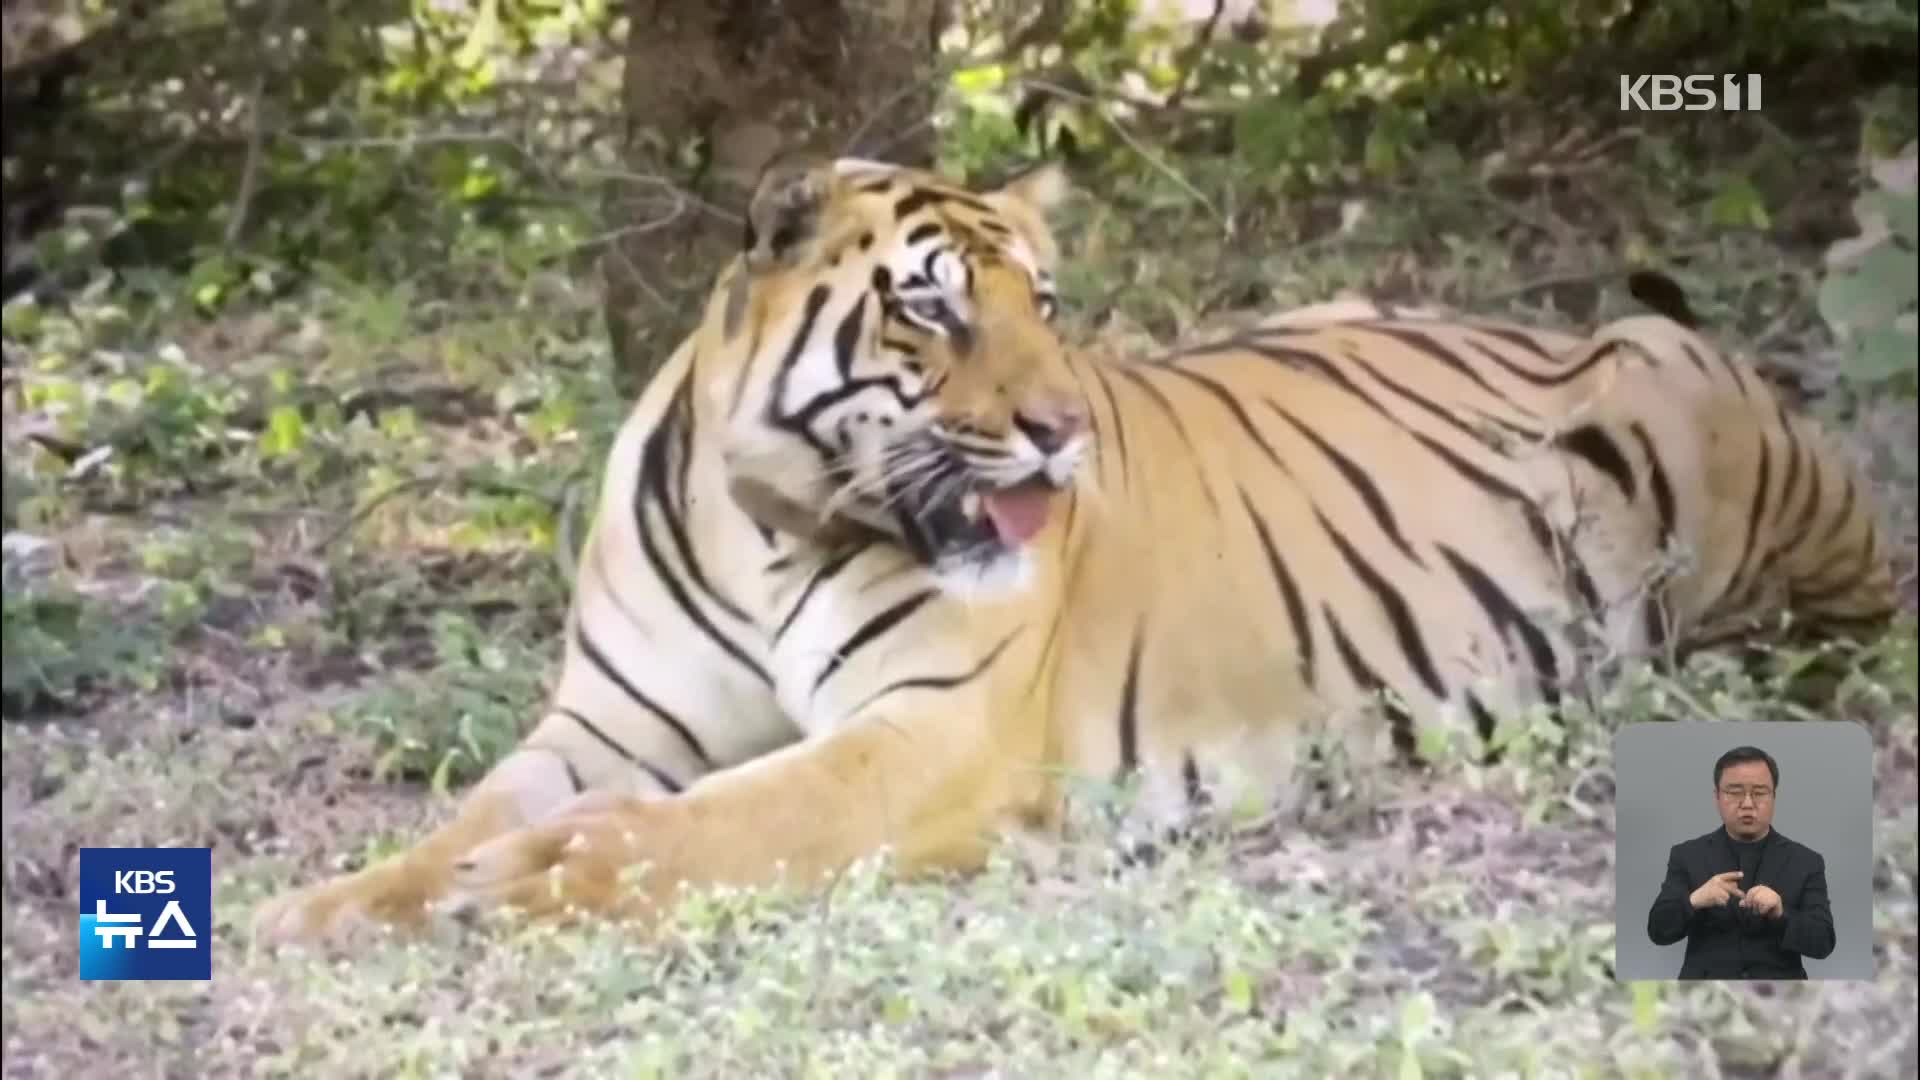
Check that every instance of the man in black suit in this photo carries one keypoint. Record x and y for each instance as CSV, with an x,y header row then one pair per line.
x,y
1749,901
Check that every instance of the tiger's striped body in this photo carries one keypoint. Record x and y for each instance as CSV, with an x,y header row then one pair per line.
x,y
1254,537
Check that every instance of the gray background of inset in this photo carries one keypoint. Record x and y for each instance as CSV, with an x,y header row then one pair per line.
x,y
1663,778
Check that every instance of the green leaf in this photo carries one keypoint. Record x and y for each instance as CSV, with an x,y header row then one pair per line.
x,y
1878,286
1416,1015
1900,212
1739,205
482,38
978,80
1383,150
1884,353
1238,986
1646,1000
286,432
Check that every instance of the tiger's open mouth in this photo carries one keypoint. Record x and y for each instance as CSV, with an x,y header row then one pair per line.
x,y
965,518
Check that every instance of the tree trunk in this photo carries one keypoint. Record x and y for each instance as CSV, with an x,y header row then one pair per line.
x,y
714,88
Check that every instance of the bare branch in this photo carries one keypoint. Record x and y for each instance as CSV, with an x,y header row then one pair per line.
x,y
1137,147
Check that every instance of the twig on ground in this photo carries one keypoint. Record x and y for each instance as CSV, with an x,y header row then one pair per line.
x,y
1190,61
256,140
1579,277
366,509
1137,147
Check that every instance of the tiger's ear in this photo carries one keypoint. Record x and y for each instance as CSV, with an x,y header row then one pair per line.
x,y
784,215
1043,187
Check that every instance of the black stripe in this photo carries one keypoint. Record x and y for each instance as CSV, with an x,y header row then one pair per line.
x,y
1598,449
659,775
1289,590
1422,401
1370,682
892,573
809,314
826,571
1416,340
1474,474
1656,480
1792,484
1514,337
912,201
573,775
1693,355
1405,629
1654,616
1754,510
1129,718
751,353
846,337
1858,571
1139,378
1557,550
920,197
1508,427
1226,398
1361,483
922,231
1190,780
682,409
1537,378
654,466
1858,622
658,562
1304,360
1807,522
1739,380
1119,425
873,628
605,666
1600,353
1483,722
940,682
1844,515
1564,556
1506,615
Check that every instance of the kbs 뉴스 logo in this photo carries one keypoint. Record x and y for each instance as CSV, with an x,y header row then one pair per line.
x,y
146,913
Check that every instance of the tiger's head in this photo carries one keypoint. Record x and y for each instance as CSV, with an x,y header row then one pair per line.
x,y
886,357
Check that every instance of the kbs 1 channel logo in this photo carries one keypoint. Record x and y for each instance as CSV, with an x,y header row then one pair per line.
x,y
1689,93
146,913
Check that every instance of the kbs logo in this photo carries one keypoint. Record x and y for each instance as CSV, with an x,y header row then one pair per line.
x,y
141,882
146,913
1693,93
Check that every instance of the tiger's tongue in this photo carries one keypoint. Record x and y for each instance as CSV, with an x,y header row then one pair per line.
x,y
1017,513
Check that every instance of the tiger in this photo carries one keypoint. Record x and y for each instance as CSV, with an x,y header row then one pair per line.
x,y
882,564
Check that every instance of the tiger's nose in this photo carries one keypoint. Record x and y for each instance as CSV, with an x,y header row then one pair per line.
x,y
1050,427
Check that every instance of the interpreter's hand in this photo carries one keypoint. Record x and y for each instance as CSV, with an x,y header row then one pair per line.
x,y
1764,902
1716,890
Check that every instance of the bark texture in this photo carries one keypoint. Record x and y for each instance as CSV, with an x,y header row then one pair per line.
x,y
715,89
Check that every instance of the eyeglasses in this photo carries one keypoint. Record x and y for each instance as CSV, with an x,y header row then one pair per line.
x,y
1738,795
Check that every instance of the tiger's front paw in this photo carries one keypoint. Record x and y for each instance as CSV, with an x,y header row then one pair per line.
x,y
599,860
390,894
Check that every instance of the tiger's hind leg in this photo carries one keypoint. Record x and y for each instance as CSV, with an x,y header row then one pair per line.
x,y
530,784
1694,464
